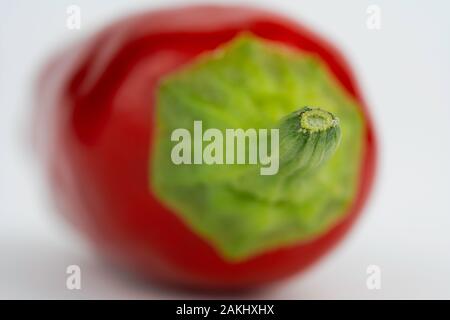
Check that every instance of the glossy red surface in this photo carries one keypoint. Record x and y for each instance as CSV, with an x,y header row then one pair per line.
x,y
94,120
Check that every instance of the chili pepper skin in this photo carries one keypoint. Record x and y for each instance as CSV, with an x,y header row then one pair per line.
x,y
94,130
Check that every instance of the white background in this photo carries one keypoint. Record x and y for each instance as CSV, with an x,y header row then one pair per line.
x,y
404,69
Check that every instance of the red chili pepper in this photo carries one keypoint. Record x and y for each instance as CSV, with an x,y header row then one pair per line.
x,y
96,128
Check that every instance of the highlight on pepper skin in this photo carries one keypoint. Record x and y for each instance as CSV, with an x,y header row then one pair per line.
x,y
190,149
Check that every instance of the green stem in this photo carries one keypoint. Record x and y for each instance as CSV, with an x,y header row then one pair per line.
x,y
308,138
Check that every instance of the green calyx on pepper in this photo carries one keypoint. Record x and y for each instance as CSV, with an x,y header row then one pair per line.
x,y
254,83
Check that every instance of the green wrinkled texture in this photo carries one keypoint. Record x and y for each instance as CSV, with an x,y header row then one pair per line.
x,y
253,83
